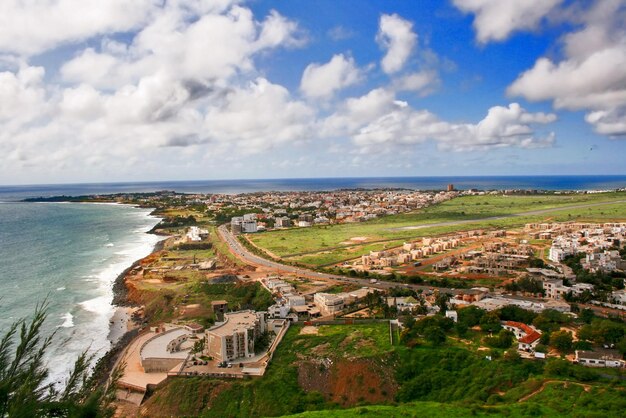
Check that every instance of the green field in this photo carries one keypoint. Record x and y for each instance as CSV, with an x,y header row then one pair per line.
x,y
322,245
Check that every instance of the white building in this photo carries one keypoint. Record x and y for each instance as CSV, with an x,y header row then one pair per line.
x,y
235,337
600,358
327,303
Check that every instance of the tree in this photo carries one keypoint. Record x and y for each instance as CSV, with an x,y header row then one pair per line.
x,y
562,341
586,315
490,322
512,356
504,339
442,302
470,316
435,335
23,392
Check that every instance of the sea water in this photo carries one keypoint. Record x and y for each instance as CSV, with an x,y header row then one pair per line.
x,y
69,255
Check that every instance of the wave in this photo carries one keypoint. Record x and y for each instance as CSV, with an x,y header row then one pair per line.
x,y
96,310
68,320
59,289
110,244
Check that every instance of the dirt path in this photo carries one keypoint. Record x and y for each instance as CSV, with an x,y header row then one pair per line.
x,y
540,389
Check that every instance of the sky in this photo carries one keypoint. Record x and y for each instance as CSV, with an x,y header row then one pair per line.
x,y
149,90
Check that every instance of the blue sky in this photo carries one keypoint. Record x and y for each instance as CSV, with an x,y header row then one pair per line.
x,y
208,89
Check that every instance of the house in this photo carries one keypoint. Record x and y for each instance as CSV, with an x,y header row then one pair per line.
x,y
600,357
526,335
327,303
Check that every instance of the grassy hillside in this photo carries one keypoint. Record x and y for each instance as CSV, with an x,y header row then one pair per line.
x,y
354,370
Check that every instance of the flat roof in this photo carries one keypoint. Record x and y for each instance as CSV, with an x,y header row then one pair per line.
x,y
157,347
219,302
235,321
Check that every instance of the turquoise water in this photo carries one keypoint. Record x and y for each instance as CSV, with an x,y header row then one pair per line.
x,y
69,254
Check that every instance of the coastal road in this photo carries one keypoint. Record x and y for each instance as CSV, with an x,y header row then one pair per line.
x,y
242,253
512,215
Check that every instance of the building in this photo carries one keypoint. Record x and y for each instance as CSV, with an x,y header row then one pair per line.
x,y
219,307
235,337
282,222
244,224
527,336
328,304
450,187
600,358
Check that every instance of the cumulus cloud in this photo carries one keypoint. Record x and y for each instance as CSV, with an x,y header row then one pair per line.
x,y
323,80
214,46
423,82
378,119
396,36
591,75
179,81
260,116
28,28
495,20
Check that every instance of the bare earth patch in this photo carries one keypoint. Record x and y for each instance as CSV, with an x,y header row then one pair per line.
x,y
349,382
309,330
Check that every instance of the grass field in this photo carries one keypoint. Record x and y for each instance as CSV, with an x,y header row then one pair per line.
x,y
322,245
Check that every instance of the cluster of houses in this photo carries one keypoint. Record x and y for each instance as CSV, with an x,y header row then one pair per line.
x,y
304,209
410,252
573,238
293,306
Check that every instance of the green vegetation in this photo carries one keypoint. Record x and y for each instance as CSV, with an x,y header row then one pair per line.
x,y
239,295
161,304
278,392
434,376
324,245
23,373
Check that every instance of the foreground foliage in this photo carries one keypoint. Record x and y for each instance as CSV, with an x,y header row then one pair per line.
x,y
23,376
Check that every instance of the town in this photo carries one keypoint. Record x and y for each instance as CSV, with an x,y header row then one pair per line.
x,y
527,285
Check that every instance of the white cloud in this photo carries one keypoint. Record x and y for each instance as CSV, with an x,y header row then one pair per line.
x,y
323,80
423,82
213,47
22,95
495,20
259,116
28,27
378,119
591,76
179,81
340,33
397,37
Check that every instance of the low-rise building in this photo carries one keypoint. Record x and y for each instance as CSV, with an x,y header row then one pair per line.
x,y
600,357
526,335
327,303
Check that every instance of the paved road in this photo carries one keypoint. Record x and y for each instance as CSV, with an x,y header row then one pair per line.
x,y
245,255
512,215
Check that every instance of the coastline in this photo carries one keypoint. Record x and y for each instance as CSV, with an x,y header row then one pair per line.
x,y
122,326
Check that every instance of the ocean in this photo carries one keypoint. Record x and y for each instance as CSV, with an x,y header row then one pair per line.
x,y
68,255
244,186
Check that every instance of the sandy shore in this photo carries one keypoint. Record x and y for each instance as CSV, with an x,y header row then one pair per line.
x,y
121,323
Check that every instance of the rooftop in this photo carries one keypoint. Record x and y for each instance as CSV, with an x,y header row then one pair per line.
x,y
235,322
